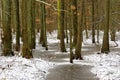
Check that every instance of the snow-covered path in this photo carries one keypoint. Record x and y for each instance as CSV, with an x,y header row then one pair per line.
x,y
63,70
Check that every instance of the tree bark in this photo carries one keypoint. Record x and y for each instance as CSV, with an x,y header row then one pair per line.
x,y
17,25
105,45
79,37
7,30
26,49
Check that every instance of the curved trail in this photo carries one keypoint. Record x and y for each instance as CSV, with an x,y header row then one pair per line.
x,y
67,71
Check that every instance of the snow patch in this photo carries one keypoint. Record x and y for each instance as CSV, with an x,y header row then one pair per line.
x,y
106,66
18,68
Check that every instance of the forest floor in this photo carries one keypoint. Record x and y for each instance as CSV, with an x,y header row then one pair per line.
x,y
94,66
63,70
54,65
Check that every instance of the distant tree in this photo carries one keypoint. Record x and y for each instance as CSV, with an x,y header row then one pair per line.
x,y
43,39
7,30
105,45
93,21
41,19
33,25
59,7
71,31
85,20
18,29
66,7
98,18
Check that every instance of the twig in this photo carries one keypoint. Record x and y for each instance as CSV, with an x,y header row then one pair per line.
x,y
51,6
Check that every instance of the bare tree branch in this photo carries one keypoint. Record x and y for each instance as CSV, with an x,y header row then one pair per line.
x,y
51,6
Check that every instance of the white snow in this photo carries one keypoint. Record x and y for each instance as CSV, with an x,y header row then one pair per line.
x,y
18,68
106,66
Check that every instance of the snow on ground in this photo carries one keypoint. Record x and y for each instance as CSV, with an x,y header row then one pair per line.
x,y
106,66
18,68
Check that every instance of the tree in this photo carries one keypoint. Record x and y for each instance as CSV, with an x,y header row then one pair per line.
x,y
59,7
105,45
93,22
70,30
18,29
43,38
7,31
61,24
79,37
33,25
75,21
26,49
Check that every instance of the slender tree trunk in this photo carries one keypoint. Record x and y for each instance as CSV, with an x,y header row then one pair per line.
x,y
98,26
42,29
113,33
44,44
85,25
66,21
79,37
105,45
93,22
33,27
75,21
61,25
70,24
17,25
59,7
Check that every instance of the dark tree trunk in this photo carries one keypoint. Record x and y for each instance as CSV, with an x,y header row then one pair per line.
x,y
17,25
79,37
105,45
93,22
7,30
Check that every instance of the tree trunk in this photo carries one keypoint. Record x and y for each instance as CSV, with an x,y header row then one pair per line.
x,y
93,22
75,21
61,25
59,7
17,25
105,45
43,22
33,35
26,50
70,24
79,37
7,30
